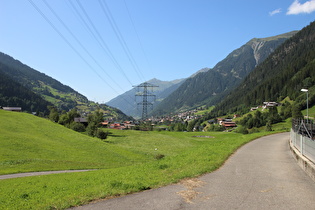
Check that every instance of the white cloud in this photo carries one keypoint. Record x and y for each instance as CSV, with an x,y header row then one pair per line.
x,y
275,12
298,8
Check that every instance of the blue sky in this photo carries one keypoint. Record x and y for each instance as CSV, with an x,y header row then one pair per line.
x,y
102,48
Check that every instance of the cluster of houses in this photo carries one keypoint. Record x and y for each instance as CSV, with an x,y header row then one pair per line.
x,y
226,122
182,117
119,126
266,105
108,124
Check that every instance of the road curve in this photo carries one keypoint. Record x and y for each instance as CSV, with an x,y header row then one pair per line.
x,y
260,175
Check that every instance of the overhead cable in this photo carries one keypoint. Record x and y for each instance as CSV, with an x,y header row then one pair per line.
x,y
78,41
138,37
69,44
108,51
120,38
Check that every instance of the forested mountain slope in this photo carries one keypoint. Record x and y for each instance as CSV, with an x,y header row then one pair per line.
x,y
13,94
288,69
61,96
209,87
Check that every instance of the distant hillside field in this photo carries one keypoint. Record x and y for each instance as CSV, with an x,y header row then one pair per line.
x,y
30,143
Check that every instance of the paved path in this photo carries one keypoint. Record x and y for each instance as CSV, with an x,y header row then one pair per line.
x,y
260,175
10,176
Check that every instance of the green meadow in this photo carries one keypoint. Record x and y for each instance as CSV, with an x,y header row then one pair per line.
x,y
126,162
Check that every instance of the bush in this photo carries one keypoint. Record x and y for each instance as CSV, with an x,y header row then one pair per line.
x,y
99,133
254,130
79,127
242,129
268,126
91,128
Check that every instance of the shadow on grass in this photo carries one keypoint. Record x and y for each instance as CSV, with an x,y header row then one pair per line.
x,y
113,135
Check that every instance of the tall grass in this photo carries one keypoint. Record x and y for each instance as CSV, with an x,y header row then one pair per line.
x,y
127,162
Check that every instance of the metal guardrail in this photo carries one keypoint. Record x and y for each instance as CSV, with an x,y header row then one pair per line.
x,y
304,127
302,137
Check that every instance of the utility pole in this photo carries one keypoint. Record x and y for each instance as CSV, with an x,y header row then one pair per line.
x,y
146,98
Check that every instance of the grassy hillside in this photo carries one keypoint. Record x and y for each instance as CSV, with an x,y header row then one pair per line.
x,y
30,143
127,161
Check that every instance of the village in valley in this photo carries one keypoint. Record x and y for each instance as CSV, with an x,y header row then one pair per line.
x,y
227,122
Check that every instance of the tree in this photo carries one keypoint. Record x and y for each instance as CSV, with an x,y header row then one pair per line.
x,y
67,118
79,127
99,133
274,116
286,110
53,114
296,112
94,120
96,117
91,129
64,119
268,126
191,125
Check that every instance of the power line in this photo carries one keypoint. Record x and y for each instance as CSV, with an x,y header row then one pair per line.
x,y
107,51
69,44
120,38
138,37
100,41
78,41
97,37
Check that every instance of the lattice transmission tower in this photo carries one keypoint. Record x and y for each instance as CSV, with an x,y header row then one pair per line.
x,y
147,97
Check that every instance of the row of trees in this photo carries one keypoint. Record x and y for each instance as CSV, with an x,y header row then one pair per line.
x,y
67,119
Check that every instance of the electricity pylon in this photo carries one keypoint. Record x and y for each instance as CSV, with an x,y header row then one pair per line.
x,y
146,98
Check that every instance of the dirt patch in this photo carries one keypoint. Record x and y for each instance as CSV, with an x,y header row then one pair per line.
x,y
190,193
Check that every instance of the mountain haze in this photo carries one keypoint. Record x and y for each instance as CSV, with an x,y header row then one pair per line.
x,y
209,87
127,101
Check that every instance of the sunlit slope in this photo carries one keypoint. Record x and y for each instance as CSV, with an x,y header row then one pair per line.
x,y
30,143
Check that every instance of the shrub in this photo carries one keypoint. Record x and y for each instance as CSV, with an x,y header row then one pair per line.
x,y
79,127
91,129
99,133
242,129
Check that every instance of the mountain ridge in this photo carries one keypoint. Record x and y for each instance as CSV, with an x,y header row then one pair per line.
x,y
283,74
51,90
209,87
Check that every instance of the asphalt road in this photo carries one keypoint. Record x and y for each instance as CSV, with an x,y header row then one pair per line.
x,y
260,175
